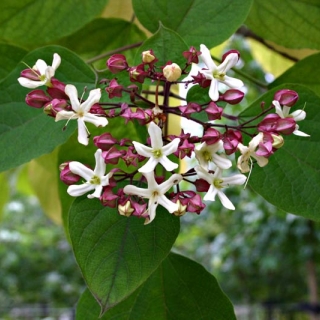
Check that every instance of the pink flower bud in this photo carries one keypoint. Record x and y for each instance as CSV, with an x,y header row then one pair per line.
x,y
201,185
231,139
108,198
30,74
195,204
104,141
201,80
189,109
113,155
140,210
213,111
286,97
269,123
66,176
211,136
137,74
37,99
97,109
57,89
56,105
192,55
286,126
117,63
232,96
114,89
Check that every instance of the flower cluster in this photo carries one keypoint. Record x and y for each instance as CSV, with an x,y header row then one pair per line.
x,y
154,166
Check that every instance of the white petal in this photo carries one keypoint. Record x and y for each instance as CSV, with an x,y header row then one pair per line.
x,y
262,161
166,203
243,164
149,166
98,121
65,115
298,115
213,90
79,190
166,185
155,136
152,206
31,84
56,61
206,58
133,190
221,162
72,93
225,201
300,133
94,97
232,82
171,147
100,168
168,164
82,133
96,193
278,108
41,66
81,170
142,149
211,194
203,174
237,179
49,73
255,142
229,62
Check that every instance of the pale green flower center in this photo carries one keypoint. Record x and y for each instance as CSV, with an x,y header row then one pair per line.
x,y
207,155
157,153
217,183
95,180
219,75
42,77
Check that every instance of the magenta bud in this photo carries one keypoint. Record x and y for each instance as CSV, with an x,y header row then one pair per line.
x,y
231,139
189,109
108,198
97,109
113,155
104,141
286,126
192,55
30,74
114,89
195,204
232,96
286,97
201,185
137,74
211,136
269,123
66,176
56,105
117,63
57,89
37,99
140,210
213,111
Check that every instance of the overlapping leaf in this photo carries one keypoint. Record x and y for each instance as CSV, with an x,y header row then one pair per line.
x,y
290,23
117,254
291,180
196,21
179,289
25,132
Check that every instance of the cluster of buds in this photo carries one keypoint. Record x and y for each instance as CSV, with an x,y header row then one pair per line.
x,y
154,166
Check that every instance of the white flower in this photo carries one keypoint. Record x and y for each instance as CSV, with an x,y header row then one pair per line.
x,y
208,153
155,193
218,73
250,151
217,183
43,72
95,180
297,115
81,112
157,153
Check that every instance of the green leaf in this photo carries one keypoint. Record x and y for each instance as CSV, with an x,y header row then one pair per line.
x,y
117,254
179,289
303,72
5,191
196,21
25,132
9,57
102,35
291,179
32,23
290,23
167,45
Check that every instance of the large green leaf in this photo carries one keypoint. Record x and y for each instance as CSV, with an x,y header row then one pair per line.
x,y
197,21
167,45
25,132
290,23
117,254
31,23
303,72
291,180
9,57
179,289
5,191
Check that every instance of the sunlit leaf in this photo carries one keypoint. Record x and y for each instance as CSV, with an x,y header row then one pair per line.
x,y
291,23
5,191
179,289
196,21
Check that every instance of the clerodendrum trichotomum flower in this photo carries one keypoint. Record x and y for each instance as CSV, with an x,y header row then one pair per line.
x,y
155,193
81,111
95,179
218,73
40,74
217,183
157,153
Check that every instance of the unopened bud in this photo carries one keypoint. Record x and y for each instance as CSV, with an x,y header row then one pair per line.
x,y
278,141
66,176
37,99
172,72
148,56
182,209
52,108
232,96
286,97
126,209
117,63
